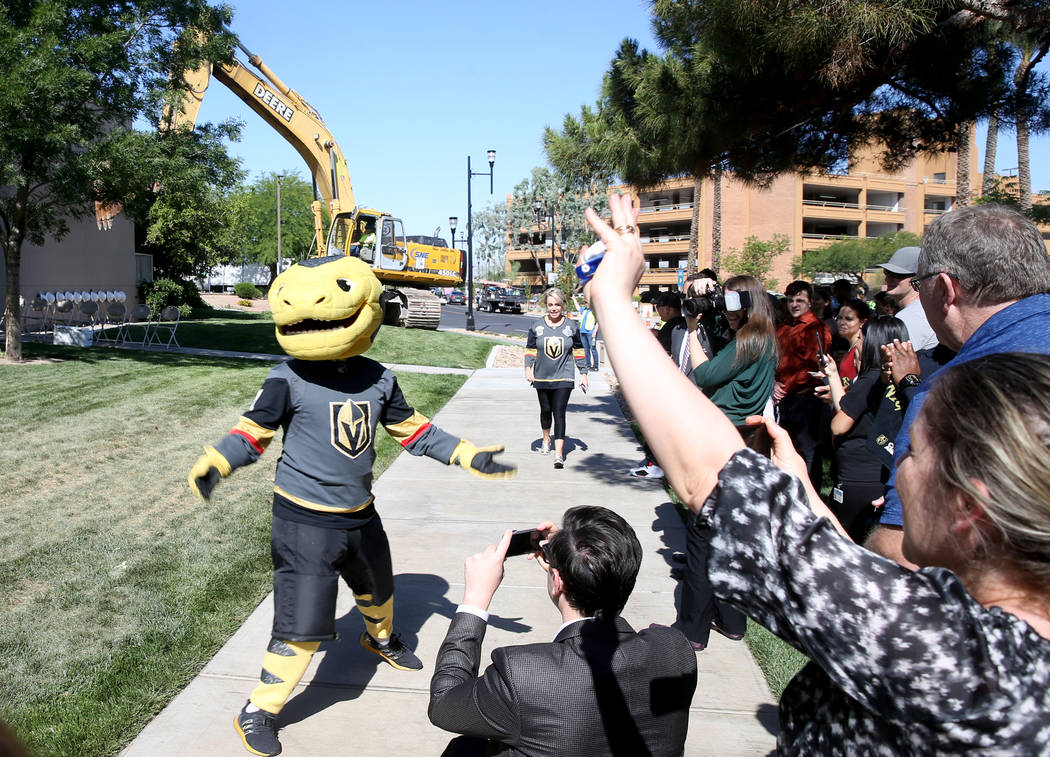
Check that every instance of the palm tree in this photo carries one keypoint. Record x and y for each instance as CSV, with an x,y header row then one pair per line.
x,y
962,164
991,143
716,220
694,227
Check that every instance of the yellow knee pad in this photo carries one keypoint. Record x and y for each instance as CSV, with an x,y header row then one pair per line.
x,y
284,664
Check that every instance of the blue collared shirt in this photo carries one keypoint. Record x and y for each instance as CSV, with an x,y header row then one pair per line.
x,y
1021,327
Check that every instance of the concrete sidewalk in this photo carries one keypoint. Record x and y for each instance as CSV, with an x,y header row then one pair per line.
x,y
350,702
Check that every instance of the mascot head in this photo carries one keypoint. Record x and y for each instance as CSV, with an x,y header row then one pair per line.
x,y
326,308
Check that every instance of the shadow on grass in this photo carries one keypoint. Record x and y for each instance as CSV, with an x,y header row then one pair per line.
x,y
91,355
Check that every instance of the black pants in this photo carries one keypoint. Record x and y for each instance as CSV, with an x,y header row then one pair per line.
x,y
855,512
307,564
552,408
808,422
699,606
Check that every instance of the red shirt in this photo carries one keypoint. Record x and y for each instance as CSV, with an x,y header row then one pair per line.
x,y
848,366
798,351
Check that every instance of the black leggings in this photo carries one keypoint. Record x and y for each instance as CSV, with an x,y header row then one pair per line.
x,y
552,405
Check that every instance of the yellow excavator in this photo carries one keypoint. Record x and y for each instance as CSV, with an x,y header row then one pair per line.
x,y
409,268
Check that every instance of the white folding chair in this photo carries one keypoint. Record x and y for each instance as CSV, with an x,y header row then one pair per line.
x,y
35,309
114,316
169,322
141,317
89,315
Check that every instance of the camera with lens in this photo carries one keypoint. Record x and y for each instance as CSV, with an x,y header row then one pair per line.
x,y
716,300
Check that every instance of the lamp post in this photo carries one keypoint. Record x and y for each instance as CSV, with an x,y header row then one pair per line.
x,y
280,262
491,155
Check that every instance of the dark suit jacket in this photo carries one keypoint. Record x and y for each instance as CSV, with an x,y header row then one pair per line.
x,y
597,689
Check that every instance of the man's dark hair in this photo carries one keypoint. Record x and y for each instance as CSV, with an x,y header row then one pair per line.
x,y
670,300
708,273
598,555
799,287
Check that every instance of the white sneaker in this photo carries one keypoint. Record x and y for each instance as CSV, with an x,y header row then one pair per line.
x,y
559,461
545,448
649,470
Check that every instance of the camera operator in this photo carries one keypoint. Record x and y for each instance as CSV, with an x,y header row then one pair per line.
x,y
700,289
739,381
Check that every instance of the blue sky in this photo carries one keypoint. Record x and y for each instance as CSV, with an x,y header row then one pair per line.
x,y
410,88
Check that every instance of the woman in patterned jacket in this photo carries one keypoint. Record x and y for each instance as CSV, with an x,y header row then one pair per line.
x,y
951,659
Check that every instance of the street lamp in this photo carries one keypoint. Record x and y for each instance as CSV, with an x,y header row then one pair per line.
x,y
280,261
541,214
491,155
452,221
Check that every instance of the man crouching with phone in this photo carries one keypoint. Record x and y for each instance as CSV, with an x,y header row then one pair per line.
x,y
598,684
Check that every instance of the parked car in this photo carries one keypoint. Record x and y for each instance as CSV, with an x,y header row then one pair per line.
x,y
456,297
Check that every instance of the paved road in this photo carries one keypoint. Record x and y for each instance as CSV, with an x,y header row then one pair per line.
x,y
455,317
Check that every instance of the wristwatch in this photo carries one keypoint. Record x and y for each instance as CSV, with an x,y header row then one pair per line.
x,y
912,379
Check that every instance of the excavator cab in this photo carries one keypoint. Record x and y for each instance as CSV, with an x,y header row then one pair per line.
x,y
394,252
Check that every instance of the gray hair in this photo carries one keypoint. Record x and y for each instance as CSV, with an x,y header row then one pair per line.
x,y
995,253
1002,440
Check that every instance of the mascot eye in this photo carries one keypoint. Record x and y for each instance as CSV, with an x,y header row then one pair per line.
x,y
345,284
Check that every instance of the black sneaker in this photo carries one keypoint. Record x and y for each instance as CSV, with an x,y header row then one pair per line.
x,y
395,652
559,461
258,731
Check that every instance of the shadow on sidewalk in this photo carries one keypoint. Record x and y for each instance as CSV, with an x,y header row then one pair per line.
x,y
346,668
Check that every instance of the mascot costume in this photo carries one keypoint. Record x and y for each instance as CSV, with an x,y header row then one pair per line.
x,y
328,400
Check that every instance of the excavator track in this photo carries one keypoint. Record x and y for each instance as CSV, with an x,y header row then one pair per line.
x,y
424,309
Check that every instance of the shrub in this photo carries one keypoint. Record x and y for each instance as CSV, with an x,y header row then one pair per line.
x,y
244,303
163,292
247,291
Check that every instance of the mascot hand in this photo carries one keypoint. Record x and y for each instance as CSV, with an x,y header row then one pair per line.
x,y
206,472
478,461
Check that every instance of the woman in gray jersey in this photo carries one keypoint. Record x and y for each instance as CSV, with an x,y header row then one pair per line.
x,y
552,347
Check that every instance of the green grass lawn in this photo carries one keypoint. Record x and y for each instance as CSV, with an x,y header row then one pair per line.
x,y
253,332
119,585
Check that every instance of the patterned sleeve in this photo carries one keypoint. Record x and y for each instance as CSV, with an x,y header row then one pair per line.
x,y
530,348
906,645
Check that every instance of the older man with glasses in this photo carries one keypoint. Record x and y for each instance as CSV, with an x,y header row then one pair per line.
x,y
903,286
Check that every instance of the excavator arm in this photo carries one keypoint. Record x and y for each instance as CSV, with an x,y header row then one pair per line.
x,y
289,114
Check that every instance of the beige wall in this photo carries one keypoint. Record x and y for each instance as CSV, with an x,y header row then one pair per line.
x,y
85,259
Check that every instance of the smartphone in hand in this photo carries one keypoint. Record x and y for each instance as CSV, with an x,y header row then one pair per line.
x,y
524,542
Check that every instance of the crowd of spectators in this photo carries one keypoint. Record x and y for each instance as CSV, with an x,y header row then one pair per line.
x,y
946,648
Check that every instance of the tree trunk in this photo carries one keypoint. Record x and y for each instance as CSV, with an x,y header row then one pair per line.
x,y
991,142
716,220
1024,168
962,167
694,228
13,262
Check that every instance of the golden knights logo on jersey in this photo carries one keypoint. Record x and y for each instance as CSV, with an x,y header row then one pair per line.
x,y
351,427
553,346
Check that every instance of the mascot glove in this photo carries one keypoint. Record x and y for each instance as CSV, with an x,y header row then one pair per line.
x,y
206,472
479,462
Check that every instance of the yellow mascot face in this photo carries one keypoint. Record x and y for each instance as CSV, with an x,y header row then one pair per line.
x,y
326,308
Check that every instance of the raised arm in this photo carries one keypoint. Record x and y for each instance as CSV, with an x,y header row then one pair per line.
x,y
690,437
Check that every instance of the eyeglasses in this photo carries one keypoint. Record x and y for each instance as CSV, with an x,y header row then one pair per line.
x,y
916,280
